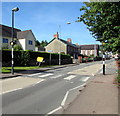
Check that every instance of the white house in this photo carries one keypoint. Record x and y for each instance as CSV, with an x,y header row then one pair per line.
x,y
25,39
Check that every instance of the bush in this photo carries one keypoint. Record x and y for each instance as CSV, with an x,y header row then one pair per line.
x,y
17,48
28,58
118,78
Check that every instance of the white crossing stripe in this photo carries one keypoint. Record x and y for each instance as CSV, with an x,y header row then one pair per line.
x,y
45,75
54,77
34,74
70,77
86,79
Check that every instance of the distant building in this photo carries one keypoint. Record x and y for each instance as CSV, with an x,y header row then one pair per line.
x,y
58,45
25,39
88,50
40,48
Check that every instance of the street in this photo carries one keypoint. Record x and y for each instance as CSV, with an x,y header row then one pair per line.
x,y
48,94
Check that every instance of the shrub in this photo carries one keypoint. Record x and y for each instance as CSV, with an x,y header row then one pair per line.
x,y
28,58
118,78
17,48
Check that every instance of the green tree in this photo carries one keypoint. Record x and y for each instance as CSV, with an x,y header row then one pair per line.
x,y
37,43
17,48
103,21
43,43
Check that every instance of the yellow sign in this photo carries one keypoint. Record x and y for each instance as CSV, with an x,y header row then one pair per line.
x,y
40,59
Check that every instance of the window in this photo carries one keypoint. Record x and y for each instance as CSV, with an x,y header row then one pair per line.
x,y
30,42
5,40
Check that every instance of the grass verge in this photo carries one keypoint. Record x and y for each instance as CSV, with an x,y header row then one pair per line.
x,y
18,69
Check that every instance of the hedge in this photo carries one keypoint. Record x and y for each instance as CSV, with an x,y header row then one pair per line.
x,y
28,58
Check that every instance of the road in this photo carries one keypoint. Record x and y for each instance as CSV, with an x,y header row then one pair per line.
x,y
48,94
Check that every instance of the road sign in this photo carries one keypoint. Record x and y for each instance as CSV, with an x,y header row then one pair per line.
x,y
40,59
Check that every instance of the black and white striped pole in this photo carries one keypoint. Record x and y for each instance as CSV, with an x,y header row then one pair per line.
x,y
12,43
103,63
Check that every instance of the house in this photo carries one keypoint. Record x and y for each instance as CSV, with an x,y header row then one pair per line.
x,y
6,36
58,45
40,49
89,50
25,39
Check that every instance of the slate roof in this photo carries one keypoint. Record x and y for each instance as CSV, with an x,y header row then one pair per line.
x,y
89,47
7,31
65,42
68,43
22,34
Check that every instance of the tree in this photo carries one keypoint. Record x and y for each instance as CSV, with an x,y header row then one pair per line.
x,y
103,21
43,43
37,43
17,48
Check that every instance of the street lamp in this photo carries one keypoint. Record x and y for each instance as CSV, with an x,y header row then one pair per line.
x,y
12,43
60,43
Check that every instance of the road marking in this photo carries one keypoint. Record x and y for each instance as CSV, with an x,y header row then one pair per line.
x,y
34,74
70,77
11,90
64,99
67,93
85,79
22,87
45,75
78,87
39,81
53,111
56,76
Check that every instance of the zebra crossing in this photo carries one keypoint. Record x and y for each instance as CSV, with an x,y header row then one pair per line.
x,y
67,77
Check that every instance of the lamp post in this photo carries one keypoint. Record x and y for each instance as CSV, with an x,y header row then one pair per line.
x,y
59,45
12,43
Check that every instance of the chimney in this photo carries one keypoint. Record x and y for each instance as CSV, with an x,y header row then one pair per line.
x,y
69,40
56,35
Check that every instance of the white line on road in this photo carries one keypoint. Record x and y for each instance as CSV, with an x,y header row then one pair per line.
x,y
11,90
67,93
54,111
22,88
49,74
70,77
78,87
65,98
35,74
86,78
54,77
40,81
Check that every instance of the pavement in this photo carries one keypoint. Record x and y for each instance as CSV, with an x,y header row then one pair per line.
x,y
100,96
23,73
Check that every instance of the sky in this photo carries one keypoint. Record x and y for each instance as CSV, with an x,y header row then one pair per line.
x,y
47,18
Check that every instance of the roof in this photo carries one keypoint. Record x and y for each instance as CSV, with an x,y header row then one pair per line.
x,y
23,34
89,47
68,43
7,31
65,42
